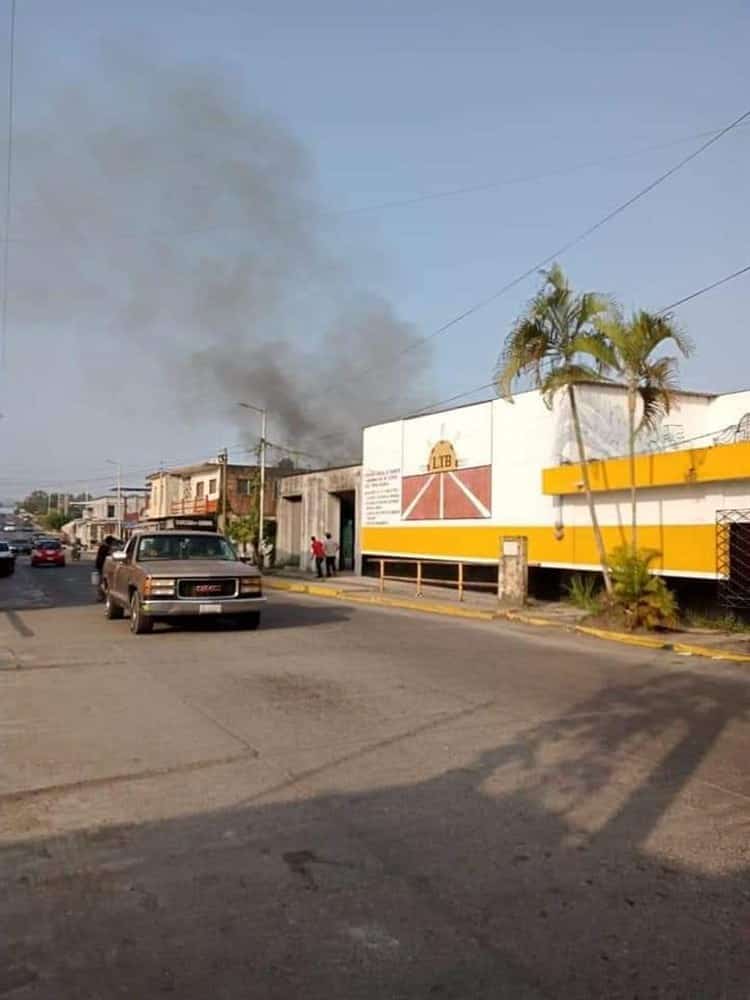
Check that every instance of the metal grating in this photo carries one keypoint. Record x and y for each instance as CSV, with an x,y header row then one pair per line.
x,y
733,557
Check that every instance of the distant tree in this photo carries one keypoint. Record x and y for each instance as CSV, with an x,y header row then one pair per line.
x,y
54,520
244,530
36,502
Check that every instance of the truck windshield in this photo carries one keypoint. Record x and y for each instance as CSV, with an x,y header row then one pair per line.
x,y
152,547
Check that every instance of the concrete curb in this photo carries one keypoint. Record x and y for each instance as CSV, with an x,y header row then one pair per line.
x,y
683,648
408,604
624,638
524,619
341,594
687,649
417,605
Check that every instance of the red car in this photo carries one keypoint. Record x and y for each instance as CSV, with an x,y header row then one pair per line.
x,y
48,552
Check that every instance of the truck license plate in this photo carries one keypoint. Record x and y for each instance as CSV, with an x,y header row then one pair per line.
x,y
209,609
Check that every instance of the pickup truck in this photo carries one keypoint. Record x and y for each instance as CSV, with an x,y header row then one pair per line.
x,y
164,576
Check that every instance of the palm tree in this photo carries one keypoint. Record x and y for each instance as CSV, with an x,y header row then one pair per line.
x,y
651,379
557,342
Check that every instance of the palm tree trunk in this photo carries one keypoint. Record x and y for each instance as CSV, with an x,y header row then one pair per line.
x,y
631,446
587,490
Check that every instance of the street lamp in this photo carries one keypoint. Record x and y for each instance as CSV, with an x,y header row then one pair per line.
x,y
261,497
110,461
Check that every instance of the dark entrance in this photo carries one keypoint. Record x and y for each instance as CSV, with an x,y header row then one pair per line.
x,y
347,529
733,558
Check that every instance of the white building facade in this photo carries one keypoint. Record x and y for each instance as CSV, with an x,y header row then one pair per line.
x,y
450,485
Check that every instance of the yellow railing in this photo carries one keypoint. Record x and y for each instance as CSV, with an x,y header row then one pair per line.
x,y
419,579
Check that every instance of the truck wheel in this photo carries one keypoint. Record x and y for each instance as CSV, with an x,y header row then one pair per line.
x,y
250,621
112,610
140,624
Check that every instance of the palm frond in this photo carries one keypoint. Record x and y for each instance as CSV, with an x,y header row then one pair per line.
x,y
566,375
596,346
655,403
524,350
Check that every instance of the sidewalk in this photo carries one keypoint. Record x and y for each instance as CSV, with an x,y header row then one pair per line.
x,y
483,606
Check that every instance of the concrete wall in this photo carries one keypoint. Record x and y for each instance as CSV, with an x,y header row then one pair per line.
x,y
308,505
166,489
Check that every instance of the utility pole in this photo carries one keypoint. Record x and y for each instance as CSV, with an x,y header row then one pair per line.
x,y
262,457
224,459
262,497
110,461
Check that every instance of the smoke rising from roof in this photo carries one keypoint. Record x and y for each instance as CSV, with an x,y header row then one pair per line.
x,y
167,222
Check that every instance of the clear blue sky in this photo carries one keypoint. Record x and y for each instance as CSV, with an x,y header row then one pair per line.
x,y
393,101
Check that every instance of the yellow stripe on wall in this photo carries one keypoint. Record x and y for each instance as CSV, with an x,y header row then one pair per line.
x,y
688,548
671,468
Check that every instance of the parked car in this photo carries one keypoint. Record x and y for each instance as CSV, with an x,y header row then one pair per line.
x,y
48,552
170,575
7,559
21,546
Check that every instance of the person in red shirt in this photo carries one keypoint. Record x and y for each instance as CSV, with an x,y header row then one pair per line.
x,y
318,550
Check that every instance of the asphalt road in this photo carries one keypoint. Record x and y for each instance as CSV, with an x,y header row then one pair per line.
x,y
46,586
358,803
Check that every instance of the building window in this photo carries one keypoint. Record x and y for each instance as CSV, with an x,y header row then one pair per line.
x,y
211,487
199,490
110,510
243,487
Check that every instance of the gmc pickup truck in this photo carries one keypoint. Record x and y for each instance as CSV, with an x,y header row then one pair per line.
x,y
163,576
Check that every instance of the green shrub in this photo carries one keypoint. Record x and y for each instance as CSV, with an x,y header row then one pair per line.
x,y
645,599
584,592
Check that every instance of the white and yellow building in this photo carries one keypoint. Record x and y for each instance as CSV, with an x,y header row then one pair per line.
x,y
449,485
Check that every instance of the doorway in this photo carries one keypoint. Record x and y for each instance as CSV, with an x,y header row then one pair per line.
x,y
347,530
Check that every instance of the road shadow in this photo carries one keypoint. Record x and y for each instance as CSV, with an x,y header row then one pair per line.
x,y
557,863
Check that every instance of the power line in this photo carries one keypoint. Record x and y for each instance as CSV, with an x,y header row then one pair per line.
x,y
589,231
394,203
666,309
8,182
706,288
452,399
523,178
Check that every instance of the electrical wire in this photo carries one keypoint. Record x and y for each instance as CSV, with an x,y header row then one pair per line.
x,y
562,171
702,291
660,312
8,184
523,179
452,399
540,264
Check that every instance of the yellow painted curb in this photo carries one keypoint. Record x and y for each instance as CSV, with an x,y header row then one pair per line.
x,y
377,599
301,588
517,616
707,652
417,605
623,637
714,654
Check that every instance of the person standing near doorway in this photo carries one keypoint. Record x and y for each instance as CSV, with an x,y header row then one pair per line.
x,y
331,548
317,548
